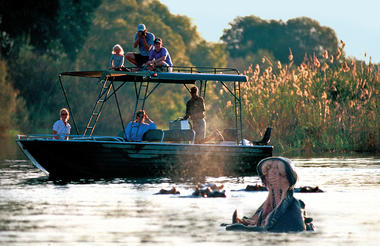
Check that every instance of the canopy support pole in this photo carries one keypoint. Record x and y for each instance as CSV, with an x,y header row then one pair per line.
x,y
118,107
68,104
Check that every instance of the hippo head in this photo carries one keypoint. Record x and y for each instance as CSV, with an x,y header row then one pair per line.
x,y
277,170
280,212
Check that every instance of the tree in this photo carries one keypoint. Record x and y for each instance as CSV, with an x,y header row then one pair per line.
x,y
41,23
73,23
308,37
208,54
303,36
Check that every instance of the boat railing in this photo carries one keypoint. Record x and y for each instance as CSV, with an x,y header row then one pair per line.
x,y
70,137
208,70
212,70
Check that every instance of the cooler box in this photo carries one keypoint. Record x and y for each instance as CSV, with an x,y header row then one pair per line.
x,y
179,125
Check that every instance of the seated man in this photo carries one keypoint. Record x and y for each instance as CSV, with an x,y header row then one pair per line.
x,y
136,129
159,56
280,212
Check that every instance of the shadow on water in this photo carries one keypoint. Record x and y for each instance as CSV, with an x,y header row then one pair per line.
x,y
136,181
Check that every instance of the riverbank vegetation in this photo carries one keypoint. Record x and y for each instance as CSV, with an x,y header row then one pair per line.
x,y
315,98
325,104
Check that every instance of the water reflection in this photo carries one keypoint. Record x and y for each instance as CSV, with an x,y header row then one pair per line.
x,y
9,149
35,210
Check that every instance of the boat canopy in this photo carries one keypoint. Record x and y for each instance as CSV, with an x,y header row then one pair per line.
x,y
143,81
158,77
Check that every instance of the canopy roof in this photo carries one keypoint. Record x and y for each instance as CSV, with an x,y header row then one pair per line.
x,y
159,77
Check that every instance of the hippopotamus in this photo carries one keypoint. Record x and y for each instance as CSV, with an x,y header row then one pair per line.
x,y
280,212
171,191
302,189
209,190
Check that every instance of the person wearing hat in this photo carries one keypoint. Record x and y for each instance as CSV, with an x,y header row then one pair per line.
x,y
159,56
144,41
195,110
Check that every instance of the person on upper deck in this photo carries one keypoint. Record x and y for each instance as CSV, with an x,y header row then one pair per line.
x,y
61,128
135,130
195,109
144,41
116,61
159,56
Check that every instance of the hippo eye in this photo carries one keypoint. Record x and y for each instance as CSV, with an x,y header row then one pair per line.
x,y
281,169
265,168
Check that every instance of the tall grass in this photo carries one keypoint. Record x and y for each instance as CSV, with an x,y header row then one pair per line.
x,y
326,104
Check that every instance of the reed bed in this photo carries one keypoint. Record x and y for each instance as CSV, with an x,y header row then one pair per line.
x,y
325,104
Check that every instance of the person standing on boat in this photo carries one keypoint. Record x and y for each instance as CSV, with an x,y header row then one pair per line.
x,y
195,109
144,41
136,129
159,56
61,128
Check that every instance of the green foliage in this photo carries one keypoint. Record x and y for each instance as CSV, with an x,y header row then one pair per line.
x,y
10,104
35,77
204,54
73,23
45,21
303,36
33,19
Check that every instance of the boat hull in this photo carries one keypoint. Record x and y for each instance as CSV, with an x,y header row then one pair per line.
x,y
111,159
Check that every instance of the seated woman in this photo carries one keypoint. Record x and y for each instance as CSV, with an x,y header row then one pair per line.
x,y
135,130
280,212
159,56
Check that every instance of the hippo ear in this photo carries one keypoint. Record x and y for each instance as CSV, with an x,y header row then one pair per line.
x,y
290,172
302,204
259,170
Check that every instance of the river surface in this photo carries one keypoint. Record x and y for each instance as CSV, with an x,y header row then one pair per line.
x,y
37,211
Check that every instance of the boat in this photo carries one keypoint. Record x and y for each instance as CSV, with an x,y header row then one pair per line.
x,y
162,153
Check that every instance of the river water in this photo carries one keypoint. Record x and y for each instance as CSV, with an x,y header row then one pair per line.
x,y
37,211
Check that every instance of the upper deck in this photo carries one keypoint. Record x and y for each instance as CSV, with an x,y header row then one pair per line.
x,y
180,75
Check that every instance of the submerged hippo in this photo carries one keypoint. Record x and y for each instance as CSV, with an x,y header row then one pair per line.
x,y
280,212
172,191
209,190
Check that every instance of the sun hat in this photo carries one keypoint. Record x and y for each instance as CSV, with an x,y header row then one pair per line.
x,y
158,40
141,28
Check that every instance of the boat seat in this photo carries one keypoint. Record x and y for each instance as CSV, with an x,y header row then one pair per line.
x,y
266,137
179,135
154,135
229,134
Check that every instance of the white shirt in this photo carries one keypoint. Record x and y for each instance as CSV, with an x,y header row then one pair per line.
x,y
61,129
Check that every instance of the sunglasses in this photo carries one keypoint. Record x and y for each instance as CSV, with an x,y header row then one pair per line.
x,y
63,113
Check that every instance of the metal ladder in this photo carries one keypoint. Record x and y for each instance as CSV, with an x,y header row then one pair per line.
x,y
97,109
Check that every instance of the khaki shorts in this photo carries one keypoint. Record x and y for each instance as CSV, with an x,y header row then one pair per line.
x,y
199,126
